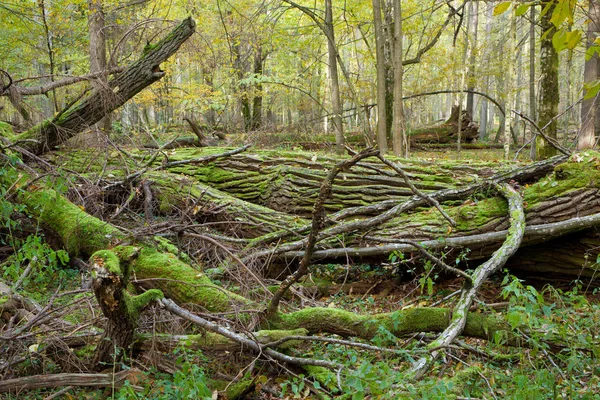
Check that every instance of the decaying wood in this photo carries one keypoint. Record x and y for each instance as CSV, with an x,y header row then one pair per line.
x,y
18,385
478,277
448,131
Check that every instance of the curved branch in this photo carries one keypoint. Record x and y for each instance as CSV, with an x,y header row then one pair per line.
x,y
500,108
480,275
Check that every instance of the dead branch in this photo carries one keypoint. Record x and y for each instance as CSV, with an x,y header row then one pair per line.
x,y
247,343
547,138
479,276
18,385
317,222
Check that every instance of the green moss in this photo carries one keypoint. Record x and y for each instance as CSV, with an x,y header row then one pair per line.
x,y
135,304
6,130
471,215
80,232
183,283
86,352
583,170
108,260
165,245
346,323
241,388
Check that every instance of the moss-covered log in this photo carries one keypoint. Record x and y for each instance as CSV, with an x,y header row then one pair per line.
x,y
369,226
156,266
289,181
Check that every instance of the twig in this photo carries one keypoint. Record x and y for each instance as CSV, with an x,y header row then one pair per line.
x,y
436,260
24,275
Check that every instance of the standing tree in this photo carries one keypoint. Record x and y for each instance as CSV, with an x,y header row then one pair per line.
x,y
98,52
549,95
589,106
399,141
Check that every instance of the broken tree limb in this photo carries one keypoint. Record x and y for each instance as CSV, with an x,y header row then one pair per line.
x,y
251,344
479,276
103,100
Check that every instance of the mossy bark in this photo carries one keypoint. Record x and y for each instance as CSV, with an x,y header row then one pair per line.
x,y
243,187
110,271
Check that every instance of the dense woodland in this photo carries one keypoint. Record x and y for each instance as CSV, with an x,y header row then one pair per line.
x,y
276,199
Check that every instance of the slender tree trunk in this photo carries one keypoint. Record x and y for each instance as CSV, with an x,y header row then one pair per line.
x,y
399,142
589,107
98,52
258,98
532,102
336,103
381,79
549,96
508,117
244,96
474,12
483,126
49,43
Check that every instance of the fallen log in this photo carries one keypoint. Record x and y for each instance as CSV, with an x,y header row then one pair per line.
x,y
448,131
18,385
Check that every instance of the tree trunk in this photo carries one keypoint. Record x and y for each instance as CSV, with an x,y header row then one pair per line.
x,y
589,107
336,103
100,102
532,101
98,53
549,94
381,79
257,100
474,22
399,141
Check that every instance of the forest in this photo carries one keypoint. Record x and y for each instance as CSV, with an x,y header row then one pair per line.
x,y
277,199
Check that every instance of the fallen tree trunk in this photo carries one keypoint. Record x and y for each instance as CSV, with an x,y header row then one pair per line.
x,y
370,229
91,109
448,131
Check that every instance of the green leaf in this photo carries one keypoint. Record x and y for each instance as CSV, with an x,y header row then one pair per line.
x,y
501,8
591,90
522,9
573,39
559,40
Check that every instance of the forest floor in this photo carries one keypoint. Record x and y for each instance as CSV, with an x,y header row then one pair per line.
x,y
567,312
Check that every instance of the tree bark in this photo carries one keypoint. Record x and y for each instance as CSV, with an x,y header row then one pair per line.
x,y
336,103
589,107
98,64
381,79
549,94
399,141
